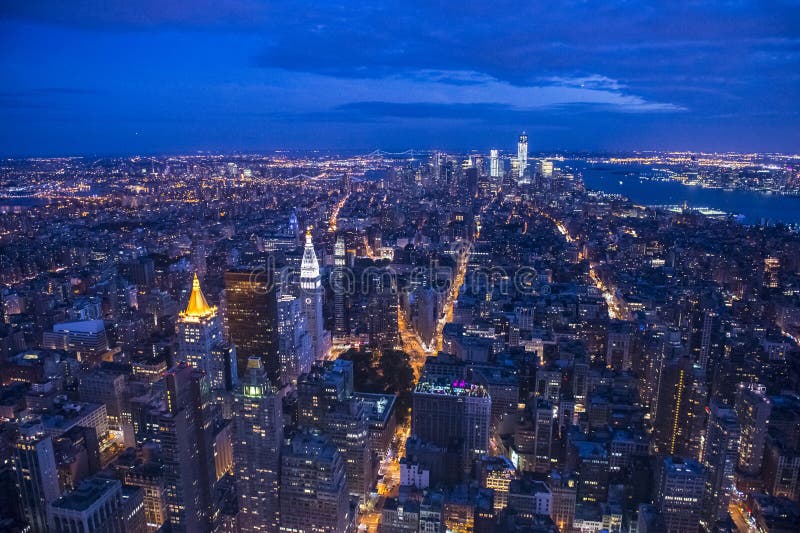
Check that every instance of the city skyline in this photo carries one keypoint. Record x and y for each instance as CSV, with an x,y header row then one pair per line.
x,y
399,343
169,77
273,266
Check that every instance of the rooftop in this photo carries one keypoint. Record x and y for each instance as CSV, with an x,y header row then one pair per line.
x,y
81,326
458,387
198,306
89,492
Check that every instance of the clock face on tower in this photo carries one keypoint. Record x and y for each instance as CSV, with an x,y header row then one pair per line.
x,y
308,300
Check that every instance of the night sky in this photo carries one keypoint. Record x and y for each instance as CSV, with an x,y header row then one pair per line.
x,y
168,76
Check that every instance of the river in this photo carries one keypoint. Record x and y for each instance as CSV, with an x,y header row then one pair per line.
x,y
624,179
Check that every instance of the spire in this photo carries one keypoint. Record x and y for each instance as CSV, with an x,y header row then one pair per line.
x,y
198,306
309,268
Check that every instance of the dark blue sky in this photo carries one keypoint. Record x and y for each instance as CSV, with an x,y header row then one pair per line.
x,y
117,76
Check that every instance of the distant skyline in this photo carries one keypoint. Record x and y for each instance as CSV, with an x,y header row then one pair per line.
x,y
178,76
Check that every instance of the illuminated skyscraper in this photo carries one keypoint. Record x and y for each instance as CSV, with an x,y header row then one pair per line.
x,y
294,346
752,409
257,444
339,289
494,163
347,427
772,270
522,155
382,313
680,413
311,293
547,168
200,336
252,317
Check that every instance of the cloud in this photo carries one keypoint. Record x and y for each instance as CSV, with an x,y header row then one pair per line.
x,y
437,89
116,15
40,98
616,63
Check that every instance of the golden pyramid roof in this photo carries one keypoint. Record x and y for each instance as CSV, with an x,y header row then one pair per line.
x,y
198,306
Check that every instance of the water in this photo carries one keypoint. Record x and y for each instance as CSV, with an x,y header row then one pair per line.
x,y
624,179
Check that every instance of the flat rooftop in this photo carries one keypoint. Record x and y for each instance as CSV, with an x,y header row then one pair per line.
x,y
88,492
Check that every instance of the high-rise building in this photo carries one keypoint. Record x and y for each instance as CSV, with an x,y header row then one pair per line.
x,y
257,444
100,504
313,491
382,313
311,294
425,306
251,313
294,347
522,156
707,341
326,405
772,271
347,427
720,454
446,414
199,336
564,487
680,415
185,433
543,414
681,483
752,409
546,167
781,468
150,477
619,346
494,163
497,473
340,289
36,474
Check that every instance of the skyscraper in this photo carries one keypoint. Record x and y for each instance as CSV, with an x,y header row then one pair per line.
x,y
294,347
680,417
199,333
347,427
543,418
522,156
494,163
257,445
185,433
36,474
382,309
547,168
339,289
752,409
311,293
457,413
313,492
251,313
719,460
